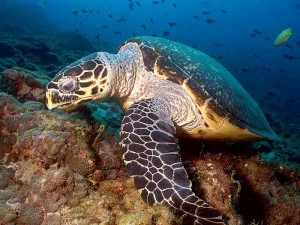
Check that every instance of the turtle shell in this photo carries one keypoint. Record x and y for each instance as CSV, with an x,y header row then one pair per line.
x,y
224,104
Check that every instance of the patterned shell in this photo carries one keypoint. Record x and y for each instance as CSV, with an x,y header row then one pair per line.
x,y
208,83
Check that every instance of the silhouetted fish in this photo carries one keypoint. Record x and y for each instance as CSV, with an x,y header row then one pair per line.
x,y
290,57
151,20
224,11
155,2
205,13
75,13
244,70
121,20
255,55
272,94
166,33
288,46
144,26
97,11
130,6
256,31
104,26
266,68
195,46
118,33
171,24
196,17
282,71
110,16
218,44
210,21
137,3
174,5
154,35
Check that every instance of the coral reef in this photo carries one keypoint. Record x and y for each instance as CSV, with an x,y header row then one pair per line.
x,y
40,52
24,84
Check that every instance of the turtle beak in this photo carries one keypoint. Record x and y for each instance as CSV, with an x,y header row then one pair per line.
x,y
55,99
49,102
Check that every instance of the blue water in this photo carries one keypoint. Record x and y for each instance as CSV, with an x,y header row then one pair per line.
x,y
240,35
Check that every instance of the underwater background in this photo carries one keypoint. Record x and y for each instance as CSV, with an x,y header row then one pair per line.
x,y
40,37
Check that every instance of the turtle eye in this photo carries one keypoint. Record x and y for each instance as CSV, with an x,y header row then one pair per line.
x,y
67,85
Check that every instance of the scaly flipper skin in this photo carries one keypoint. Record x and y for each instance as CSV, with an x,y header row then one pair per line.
x,y
151,154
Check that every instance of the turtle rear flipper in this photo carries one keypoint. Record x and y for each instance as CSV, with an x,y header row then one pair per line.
x,y
151,155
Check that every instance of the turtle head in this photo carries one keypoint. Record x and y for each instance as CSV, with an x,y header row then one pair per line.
x,y
85,80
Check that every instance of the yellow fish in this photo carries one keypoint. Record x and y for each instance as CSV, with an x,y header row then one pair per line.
x,y
283,36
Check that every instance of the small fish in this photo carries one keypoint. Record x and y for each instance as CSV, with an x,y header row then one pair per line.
x,y
155,2
283,36
121,20
290,57
75,13
117,32
205,13
97,11
256,31
151,20
104,26
195,46
144,26
210,21
272,94
130,6
171,24
244,70
288,46
110,16
137,3
166,33
282,71
174,5
255,55
84,11
196,17
218,44
154,35
224,11
133,34
266,68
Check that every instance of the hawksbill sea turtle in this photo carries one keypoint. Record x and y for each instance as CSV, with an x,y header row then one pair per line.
x,y
168,90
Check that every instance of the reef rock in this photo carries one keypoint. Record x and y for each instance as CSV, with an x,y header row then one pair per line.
x,y
24,84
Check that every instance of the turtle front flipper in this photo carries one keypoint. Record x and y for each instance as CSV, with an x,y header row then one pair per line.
x,y
151,155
